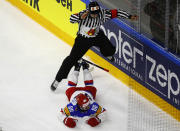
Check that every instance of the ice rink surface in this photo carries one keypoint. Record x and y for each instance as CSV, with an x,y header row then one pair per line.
x,y
30,57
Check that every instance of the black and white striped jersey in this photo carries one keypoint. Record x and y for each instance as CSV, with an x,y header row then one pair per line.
x,y
89,27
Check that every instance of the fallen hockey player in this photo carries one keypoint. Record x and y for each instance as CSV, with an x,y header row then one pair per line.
x,y
81,100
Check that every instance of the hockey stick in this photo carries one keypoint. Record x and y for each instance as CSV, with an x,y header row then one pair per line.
x,y
95,65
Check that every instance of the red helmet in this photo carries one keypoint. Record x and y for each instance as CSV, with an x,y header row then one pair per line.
x,y
83,101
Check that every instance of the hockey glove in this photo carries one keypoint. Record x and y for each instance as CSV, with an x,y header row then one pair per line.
x,y
70,122
94,121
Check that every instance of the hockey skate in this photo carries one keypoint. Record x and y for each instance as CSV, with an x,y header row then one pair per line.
x,y
85,65
80,63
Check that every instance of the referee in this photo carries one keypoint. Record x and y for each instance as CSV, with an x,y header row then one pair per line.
x,y
89,34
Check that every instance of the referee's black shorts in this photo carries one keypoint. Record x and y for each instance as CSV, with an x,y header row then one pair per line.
x,y
83,44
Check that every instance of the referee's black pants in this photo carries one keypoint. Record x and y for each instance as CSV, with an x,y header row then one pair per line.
x,y
80,47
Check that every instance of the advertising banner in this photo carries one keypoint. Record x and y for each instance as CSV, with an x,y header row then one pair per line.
x,y
57,12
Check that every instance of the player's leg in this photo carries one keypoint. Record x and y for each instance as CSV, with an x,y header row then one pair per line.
x,y
106,47
73,77
73,80
88,80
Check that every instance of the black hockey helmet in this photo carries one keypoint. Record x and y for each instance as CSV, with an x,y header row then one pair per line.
x,y
94,7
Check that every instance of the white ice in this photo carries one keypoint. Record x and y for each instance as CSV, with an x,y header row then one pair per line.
x,y
30,57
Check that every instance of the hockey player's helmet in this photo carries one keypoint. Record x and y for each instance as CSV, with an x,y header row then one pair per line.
x,y
94,7
83,101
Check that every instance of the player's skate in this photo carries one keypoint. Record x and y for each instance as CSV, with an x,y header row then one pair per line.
x,y
85,65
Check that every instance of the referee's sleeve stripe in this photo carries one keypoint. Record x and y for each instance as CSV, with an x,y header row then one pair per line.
x,y
72,18
123,14
108,15
107,18
72,21
75,17
102,16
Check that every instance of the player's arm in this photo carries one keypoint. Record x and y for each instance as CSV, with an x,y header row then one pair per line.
x,y
101,113
98,117
88,79
118,13
67,118
63,113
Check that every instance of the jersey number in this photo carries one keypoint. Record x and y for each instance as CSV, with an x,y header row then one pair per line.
x,y
70,108
94,108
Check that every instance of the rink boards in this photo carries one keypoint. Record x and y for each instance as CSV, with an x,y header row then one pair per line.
x,y
139,63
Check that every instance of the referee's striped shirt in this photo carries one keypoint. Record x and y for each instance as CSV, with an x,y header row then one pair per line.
x,y
89,27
